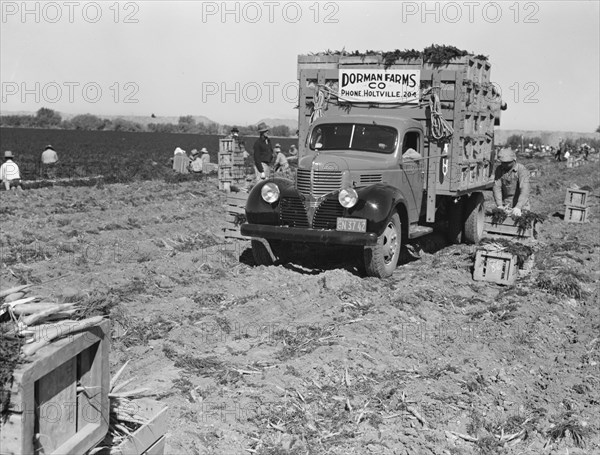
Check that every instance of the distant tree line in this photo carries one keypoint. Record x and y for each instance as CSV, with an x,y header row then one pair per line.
x,y
515,141
50,119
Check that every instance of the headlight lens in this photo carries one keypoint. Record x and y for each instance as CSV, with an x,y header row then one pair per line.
x,y
348,197
270,192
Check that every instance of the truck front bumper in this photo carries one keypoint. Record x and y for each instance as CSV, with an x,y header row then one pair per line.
x,y
308,235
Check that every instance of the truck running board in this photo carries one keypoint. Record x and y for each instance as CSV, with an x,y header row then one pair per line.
x,y
415,231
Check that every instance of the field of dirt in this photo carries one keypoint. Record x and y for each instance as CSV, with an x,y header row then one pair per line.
x,y
317,359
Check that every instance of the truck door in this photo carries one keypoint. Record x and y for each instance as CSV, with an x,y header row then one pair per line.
x,y
412,165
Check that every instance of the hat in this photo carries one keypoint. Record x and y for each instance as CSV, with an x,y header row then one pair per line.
x,y
506,155
262,127
235,130
195,152
49,147
204,150
277,146
8,154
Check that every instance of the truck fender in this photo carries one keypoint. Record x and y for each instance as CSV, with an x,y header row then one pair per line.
x,y
260,212
376,204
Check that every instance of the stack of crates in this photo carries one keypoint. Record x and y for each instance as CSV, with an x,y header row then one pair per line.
x,y
231,164
576,205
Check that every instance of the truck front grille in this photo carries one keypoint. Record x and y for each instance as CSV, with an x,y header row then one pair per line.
x,y
293,213
327,214
322,182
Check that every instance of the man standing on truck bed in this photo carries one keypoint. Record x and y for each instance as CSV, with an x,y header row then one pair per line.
x,y
511,185
263,153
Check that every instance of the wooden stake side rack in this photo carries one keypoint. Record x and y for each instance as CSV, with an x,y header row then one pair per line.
x,y
59,400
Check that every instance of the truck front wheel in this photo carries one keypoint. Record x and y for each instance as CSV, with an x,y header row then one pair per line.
x,y
381,259
475,218
261,253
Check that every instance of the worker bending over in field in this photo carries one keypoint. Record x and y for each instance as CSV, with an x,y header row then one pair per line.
x,y
196,162
9,172
281,166
49,160
263,153
511,185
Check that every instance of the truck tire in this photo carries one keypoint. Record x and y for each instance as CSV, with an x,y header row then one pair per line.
x,y
381,259
475,219
261,254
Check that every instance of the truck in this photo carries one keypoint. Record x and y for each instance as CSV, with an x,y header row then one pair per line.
x,y
391,148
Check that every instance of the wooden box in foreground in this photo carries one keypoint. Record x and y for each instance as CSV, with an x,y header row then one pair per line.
x,y
496,267
508,228
59,400
148,439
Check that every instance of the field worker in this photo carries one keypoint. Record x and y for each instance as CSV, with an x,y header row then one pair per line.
x,y
196,162
205,155
234,133
263,153
511,185
9,172
293,154
180,161
281,163
49,160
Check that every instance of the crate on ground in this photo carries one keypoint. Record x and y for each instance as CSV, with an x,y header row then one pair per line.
x,y
508,228
576,214
577,197
496,267
236,214
149,438
59,401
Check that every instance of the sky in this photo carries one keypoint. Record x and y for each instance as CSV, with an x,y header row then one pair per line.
x,y
236,62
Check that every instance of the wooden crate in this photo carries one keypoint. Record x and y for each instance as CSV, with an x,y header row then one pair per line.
x,y
59,401
576,198
150,438
236,212
508,228
495,267
576,214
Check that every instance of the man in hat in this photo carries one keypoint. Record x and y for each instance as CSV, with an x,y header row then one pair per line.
x,y
205,155
9,172
511,185
263,153
49,160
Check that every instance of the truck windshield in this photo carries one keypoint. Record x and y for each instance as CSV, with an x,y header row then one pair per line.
x,y
351,136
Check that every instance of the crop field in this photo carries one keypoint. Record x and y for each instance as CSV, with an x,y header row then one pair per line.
x,y
313,357
118,156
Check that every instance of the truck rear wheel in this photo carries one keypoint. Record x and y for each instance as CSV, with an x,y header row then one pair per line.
x,y
382,258
475,219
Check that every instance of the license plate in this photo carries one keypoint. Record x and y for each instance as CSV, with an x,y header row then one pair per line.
x,y
351,225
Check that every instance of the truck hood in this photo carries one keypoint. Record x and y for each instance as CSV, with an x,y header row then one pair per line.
x,y
343,160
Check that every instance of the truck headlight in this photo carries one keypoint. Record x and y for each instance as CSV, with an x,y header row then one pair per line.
x,y
348,197
270,192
